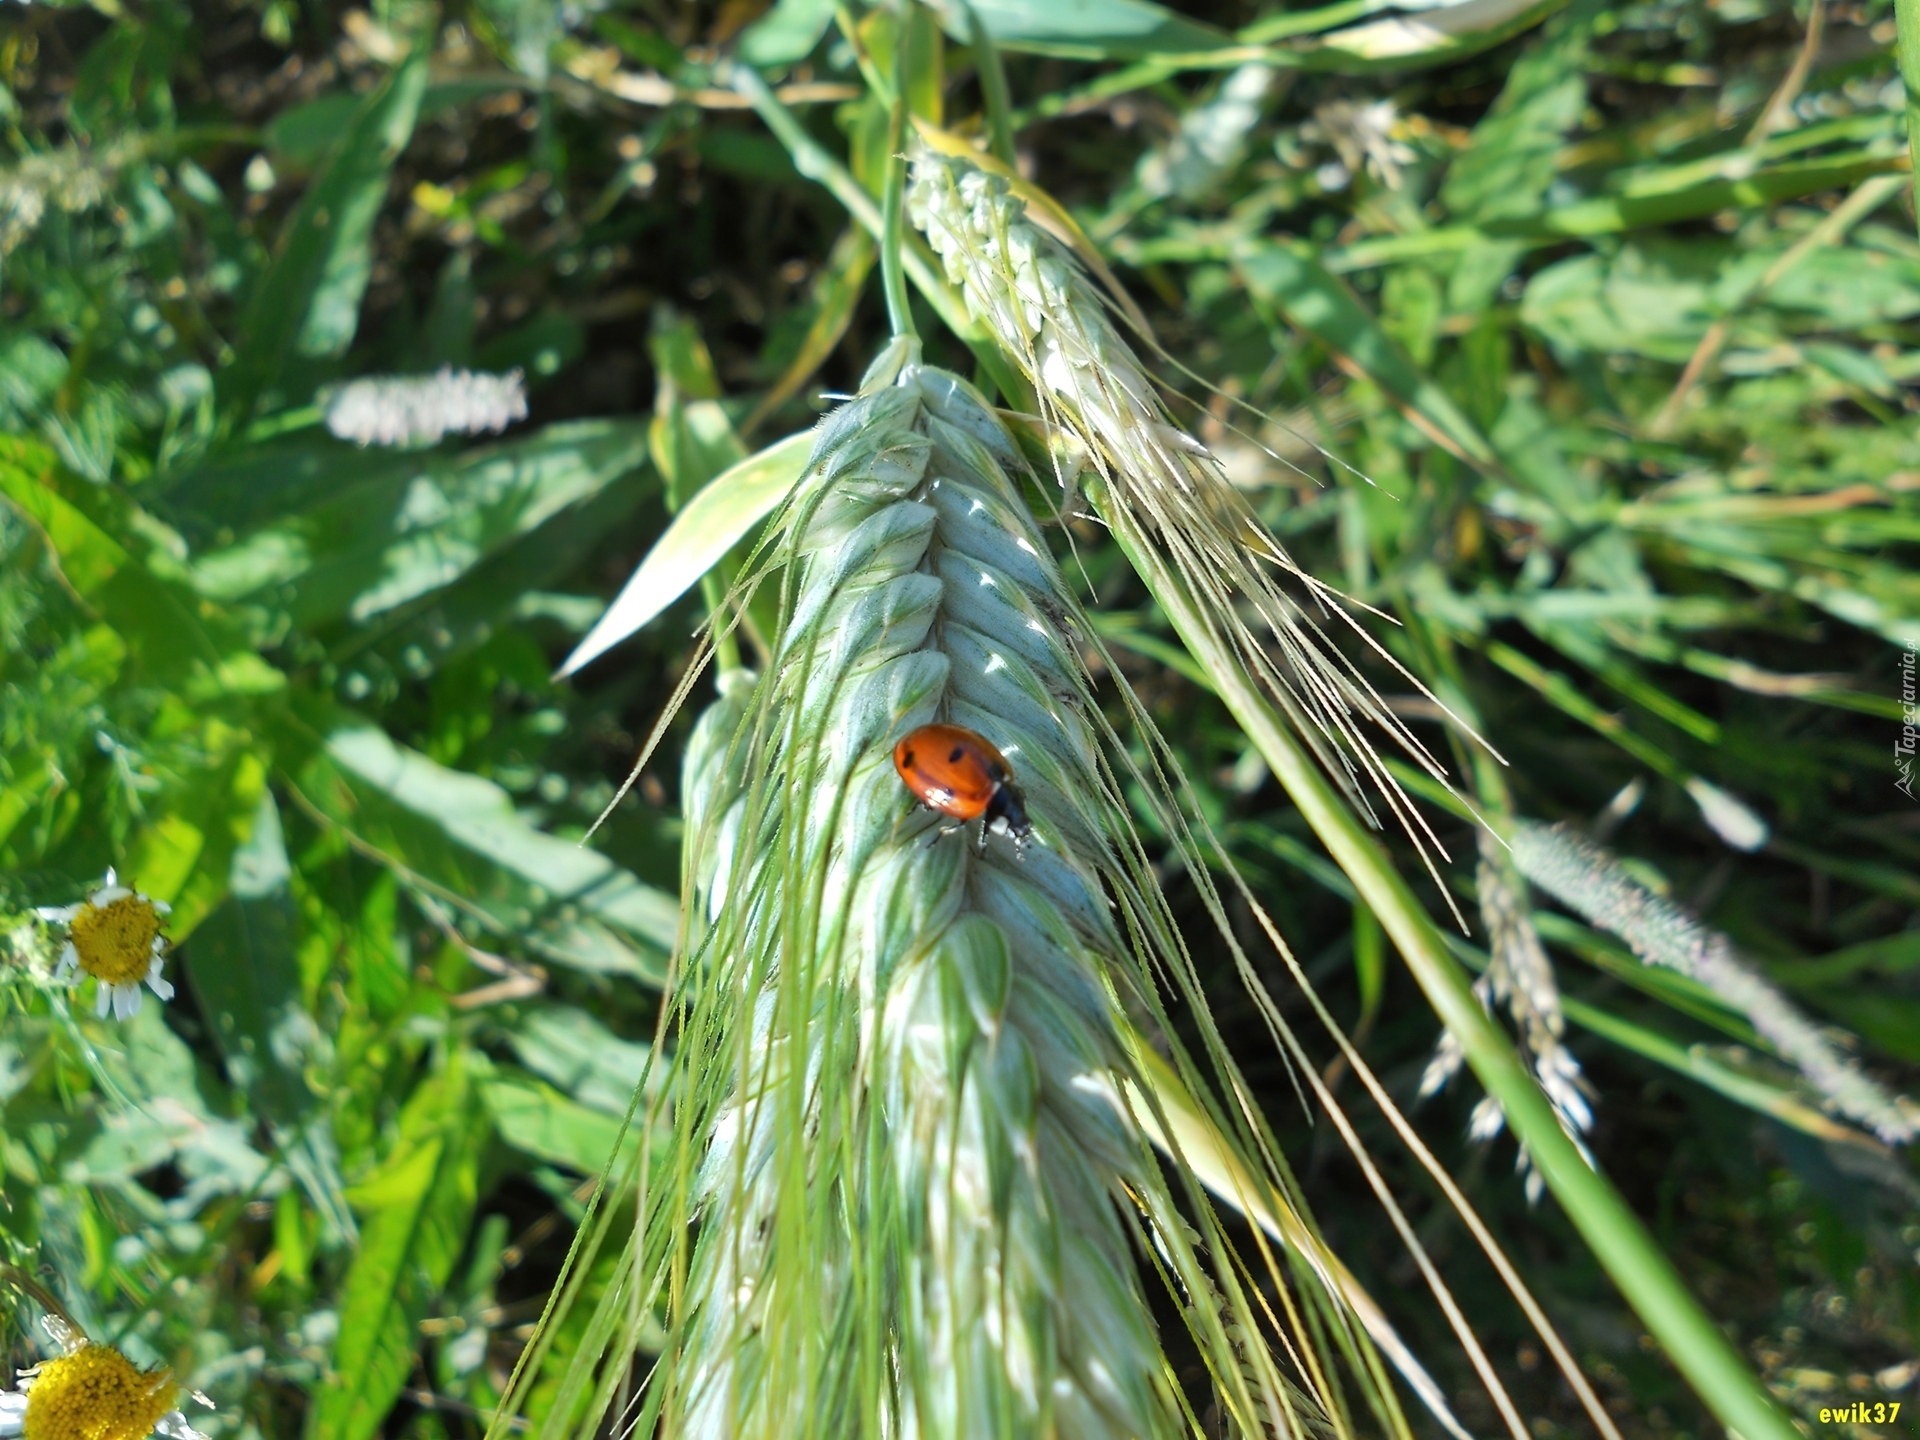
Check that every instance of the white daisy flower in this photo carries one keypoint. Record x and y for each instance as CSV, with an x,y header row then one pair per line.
x,y
96,1392
114,936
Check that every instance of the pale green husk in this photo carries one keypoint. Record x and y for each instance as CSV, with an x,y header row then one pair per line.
x,y
921,1202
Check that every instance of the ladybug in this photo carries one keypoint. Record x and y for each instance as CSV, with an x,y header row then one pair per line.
x,y
958,773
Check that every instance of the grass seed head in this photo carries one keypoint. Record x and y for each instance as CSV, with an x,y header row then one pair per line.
x,y
1587,879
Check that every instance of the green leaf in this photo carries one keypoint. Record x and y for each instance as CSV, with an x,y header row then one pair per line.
x,y
712,524
584,1058
1610,214
163,1118
1086,29
244,972
648,47
1288,279
310,298
380,535
246,978
417,1207
183,851
1514,154
681,357
31,371
1651,301
1848,287
539,1120
1435,36
162,632
1369,962
510,583
459,834
301,136
787,33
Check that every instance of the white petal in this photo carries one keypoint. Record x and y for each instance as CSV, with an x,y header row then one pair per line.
x,y
162,988
126,1001
56,914
13,1412
103,1000
69,961
173,1425
107,894
160,907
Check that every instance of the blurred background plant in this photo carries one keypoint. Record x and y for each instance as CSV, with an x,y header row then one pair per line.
x,y
1612,305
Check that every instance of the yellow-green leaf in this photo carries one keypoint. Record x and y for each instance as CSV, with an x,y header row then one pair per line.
x,y
712,523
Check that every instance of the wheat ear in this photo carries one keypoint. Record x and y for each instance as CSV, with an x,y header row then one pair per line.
x,y
925,1202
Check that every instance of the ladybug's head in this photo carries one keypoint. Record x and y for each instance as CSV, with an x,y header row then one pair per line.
x,y
1006,814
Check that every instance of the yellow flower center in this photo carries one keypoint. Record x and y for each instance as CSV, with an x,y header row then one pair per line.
x,y
115,941
96,1394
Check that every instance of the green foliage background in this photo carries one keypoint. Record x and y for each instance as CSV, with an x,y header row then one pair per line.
x,y
302,690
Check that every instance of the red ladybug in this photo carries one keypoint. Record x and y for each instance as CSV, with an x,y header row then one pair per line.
x,y
952,770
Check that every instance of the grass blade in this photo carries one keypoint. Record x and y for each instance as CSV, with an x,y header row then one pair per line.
x,y
718,517
310,299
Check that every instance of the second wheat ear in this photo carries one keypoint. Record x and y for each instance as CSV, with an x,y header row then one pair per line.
x,y
1163,490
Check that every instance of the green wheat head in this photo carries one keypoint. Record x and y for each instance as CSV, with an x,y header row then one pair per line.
x,y
923,1201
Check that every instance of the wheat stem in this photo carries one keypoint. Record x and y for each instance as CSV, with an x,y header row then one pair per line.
x,y
1616,1236
893,210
